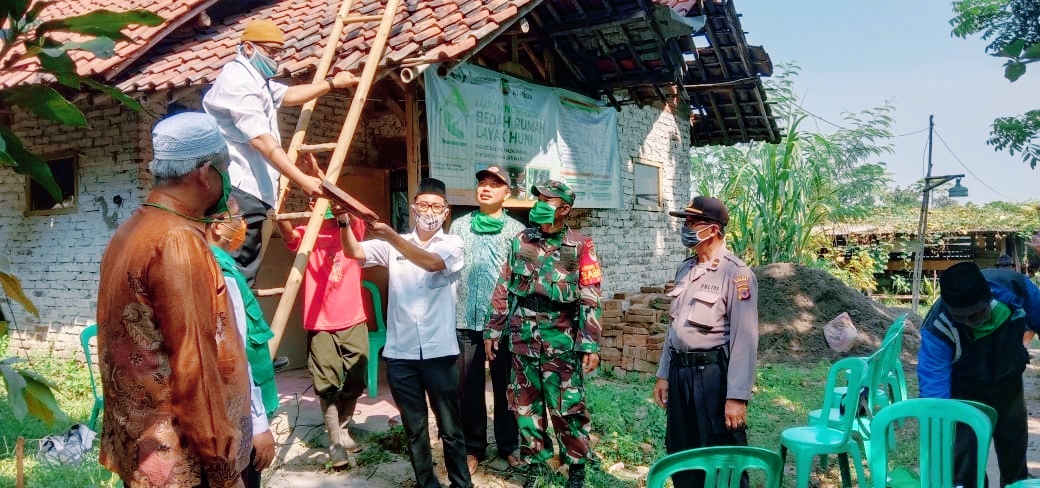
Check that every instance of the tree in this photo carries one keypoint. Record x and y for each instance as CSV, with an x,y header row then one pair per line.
x,y
29,43
778,194
1013,29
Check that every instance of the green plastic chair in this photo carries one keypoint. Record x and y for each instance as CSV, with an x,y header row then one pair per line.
x,y
877,385
1026,483
89,333
895,377
991,413
937,419
376,338
819,438
723,466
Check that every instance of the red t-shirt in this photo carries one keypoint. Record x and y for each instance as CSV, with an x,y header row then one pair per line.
x,y
332,283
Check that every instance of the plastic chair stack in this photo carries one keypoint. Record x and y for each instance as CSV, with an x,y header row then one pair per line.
x,y
723,466
882,387
937,420
820,437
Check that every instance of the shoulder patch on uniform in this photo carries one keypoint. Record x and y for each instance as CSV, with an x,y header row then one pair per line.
x,y
588,265
743,284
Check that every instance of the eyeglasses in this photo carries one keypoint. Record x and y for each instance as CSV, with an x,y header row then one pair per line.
x,y
436,207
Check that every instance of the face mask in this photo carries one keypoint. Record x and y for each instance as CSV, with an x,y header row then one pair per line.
x,y
237,239
482,223
221,205
542,213
430,222
690,237
999,313
266,66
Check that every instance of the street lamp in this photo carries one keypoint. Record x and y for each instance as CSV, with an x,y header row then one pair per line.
x,y
930,183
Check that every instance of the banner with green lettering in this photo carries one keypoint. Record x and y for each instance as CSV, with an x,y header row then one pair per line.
x,y
479,118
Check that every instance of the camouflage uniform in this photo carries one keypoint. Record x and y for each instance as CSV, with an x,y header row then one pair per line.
x,y
548,294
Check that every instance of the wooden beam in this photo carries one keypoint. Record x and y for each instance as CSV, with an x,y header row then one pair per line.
x,y
413,140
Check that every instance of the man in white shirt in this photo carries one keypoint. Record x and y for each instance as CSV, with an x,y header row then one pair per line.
x,y
421,346
245,103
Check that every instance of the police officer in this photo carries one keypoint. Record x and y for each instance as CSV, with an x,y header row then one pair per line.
x,y
708,364
548,295
971,349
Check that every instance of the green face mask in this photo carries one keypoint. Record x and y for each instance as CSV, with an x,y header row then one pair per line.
x,y
998,315
482,223
542,213
221,205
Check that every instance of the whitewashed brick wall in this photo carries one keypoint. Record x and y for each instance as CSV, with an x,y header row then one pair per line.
x,y
57,256
642,247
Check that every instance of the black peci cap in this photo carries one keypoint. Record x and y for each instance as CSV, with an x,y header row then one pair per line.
x,y
963,285
431,186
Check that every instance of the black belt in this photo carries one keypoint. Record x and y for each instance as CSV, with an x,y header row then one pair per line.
x,y
539,303
698,358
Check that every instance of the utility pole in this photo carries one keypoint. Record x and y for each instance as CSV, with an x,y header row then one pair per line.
x,y
922,224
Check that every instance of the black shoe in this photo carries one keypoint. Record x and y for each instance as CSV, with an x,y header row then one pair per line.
x,y
280,363
576,476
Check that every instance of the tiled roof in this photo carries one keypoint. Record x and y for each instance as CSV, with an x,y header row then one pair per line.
x,y
142,38
426,30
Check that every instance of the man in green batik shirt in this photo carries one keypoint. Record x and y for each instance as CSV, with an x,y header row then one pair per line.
x,y
486,233
548,295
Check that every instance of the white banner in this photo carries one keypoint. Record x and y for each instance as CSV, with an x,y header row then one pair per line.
x,y
479,118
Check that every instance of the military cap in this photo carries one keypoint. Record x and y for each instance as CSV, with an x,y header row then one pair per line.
x,y
707,208
554,189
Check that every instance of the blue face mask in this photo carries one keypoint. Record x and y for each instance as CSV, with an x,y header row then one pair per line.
x,y
690,237
266,66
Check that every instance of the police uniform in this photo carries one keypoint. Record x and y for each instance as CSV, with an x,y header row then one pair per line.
x,y
710,353
548,296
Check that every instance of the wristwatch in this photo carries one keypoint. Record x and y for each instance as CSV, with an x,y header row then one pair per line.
x,y
342,224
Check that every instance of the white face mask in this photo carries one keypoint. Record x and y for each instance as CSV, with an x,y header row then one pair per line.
x,y
429,221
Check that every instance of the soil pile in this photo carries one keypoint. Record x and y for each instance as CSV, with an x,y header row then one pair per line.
x,y
795,302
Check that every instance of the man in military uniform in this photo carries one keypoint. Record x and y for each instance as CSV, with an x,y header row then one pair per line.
x,y
971,350
548,295
708,364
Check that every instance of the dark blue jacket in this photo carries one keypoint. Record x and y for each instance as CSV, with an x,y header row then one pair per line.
x,y
946,351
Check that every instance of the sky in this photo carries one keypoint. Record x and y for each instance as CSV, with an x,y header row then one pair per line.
x,y
856,55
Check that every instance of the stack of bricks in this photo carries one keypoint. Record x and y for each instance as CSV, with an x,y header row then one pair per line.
x,y
634,327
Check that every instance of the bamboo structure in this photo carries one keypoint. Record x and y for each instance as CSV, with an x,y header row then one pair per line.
x,y
339,150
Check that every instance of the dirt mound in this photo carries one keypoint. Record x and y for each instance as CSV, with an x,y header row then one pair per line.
x,y
795,302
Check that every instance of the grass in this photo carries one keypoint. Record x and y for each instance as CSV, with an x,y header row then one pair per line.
x,y
629,426
76,399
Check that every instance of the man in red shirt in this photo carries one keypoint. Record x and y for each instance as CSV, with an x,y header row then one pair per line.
x,y
337,334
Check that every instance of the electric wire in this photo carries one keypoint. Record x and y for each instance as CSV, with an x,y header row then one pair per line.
x,y
958,159
803,109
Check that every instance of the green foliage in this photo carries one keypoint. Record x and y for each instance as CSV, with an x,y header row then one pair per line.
x,y
779,193
72,382
27,44
1013,29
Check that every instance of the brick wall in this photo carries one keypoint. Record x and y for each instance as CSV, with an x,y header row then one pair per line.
x,y
57,256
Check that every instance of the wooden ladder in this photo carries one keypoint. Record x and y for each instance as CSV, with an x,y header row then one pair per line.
x,y
339,151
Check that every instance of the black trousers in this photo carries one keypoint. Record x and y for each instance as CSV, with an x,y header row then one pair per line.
x,y
250,475
411,380
471,390
1010,436
254,211
507,434
697,416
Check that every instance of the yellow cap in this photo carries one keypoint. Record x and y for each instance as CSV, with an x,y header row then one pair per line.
x,y
263,30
